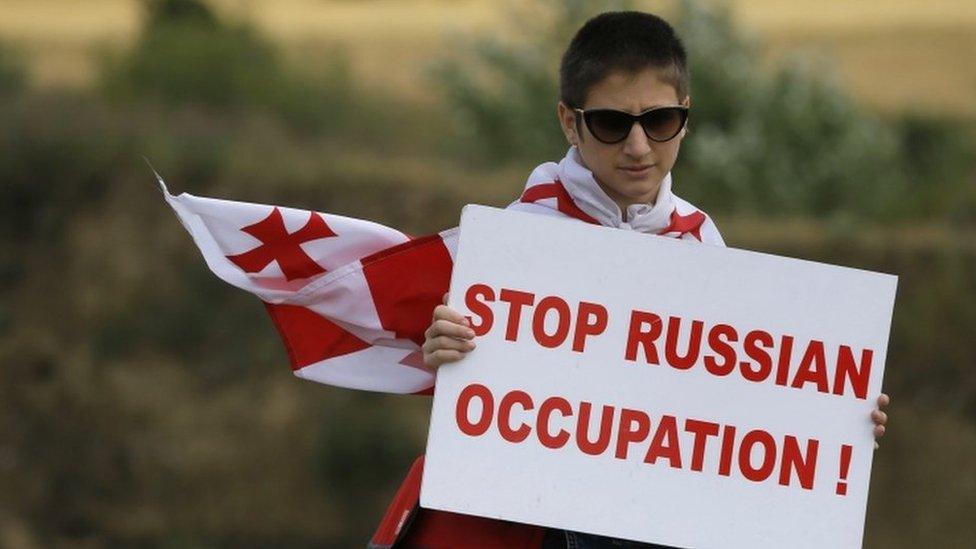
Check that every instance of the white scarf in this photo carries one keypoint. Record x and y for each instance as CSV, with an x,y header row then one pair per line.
x,y
568,188
582,186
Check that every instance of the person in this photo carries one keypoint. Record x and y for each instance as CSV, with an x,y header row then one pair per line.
x,y
624,105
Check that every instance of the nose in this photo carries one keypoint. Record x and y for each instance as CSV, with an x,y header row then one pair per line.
x,y
637,144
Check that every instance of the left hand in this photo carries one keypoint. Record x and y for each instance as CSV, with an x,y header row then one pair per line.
x,y
880,418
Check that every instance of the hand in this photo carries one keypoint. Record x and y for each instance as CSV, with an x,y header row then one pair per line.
x,y
880,418
448,338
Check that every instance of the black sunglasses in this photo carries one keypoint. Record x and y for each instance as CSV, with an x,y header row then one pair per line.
x,y
612,126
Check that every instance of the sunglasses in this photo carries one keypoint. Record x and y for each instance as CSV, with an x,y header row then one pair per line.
x,y
612,126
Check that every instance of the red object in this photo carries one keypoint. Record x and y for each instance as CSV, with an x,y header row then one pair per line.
x,y
277,244
564,202
309,337
845,465
407,525
406,282
691,223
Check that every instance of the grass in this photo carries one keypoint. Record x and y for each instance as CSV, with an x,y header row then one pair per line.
x,y
924,69
894,54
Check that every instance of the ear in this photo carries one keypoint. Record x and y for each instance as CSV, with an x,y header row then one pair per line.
x,y
686,103
567,121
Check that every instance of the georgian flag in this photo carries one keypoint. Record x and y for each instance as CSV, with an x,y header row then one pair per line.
x,y
351,299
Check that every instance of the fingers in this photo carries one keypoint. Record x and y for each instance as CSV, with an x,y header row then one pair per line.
x,y
448,338
879,417
443,312
441,356
445,343
444,300
442,350
449,329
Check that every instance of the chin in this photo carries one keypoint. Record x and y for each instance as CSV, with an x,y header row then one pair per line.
x,y
642,192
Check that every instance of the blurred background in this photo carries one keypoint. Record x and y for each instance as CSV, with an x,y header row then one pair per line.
x,y
144,403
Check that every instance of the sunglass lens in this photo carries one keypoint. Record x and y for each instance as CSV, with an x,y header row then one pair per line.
x,y
609,126
663,124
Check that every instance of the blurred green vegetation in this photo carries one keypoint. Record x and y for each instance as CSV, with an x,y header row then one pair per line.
x,y
187,56
145,404
786,141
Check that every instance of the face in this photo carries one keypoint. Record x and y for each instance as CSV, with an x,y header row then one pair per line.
x,y
630,172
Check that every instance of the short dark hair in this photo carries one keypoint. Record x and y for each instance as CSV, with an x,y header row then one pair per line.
x,y
621,40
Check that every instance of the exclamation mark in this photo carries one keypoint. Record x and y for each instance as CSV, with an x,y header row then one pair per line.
x,y
845,465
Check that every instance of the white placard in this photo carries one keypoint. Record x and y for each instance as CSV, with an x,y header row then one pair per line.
x,y
725,395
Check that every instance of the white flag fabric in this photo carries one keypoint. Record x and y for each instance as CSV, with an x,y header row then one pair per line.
x,y
351,299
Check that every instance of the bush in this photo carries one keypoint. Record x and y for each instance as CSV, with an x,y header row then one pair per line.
x,y
504,94
187,56
772,143
790,142
13,77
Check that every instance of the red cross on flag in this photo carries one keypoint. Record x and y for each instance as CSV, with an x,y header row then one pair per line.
x,y
282,247
350,298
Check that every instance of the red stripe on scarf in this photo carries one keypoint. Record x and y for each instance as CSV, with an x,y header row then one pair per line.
x,y
564,202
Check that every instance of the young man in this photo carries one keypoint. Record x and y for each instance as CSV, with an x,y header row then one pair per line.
x,y
624,106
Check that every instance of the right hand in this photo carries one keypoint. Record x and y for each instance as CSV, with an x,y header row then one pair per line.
x,y
448,338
